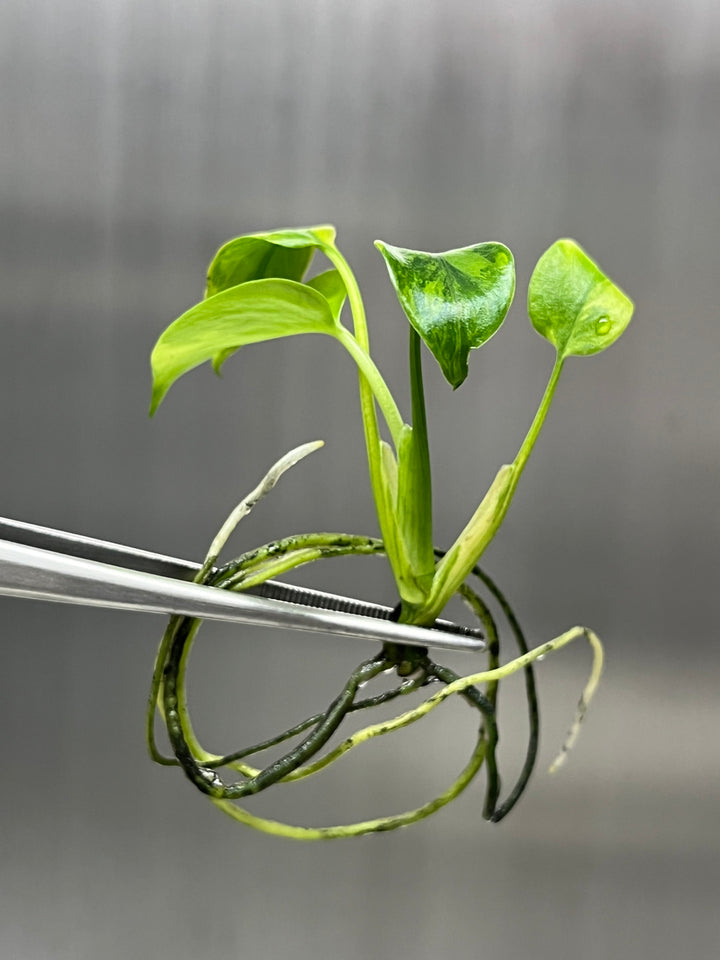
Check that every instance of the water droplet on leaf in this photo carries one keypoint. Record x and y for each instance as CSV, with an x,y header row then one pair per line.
x,y
602,326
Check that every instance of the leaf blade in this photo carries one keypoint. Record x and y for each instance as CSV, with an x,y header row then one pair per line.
x,y
283,254
455,300
331,285
248,313
573,304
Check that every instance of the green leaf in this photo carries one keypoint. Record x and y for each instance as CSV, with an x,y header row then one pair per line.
x,y
457,563
285,254
249,313
455,300
573,304
330,284
321,235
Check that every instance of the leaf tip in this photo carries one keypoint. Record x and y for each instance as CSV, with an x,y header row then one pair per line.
x,y
157,397
456,371
390,252
382,249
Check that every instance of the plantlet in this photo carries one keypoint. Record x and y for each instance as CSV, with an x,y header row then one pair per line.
x,y
455,301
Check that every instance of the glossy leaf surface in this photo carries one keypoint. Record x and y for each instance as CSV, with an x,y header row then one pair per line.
x,y
285,254
573,304
455,300
249,313
330,285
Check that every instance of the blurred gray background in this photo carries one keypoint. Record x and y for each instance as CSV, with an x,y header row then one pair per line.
x,y
136,137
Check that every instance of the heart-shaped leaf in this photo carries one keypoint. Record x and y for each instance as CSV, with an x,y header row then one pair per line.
x,y
284,254
573,304
249,313
455,300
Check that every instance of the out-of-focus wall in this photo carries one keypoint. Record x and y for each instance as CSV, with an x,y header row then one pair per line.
x,y
134,139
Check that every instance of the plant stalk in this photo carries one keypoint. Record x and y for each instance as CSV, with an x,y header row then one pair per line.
x,y
458,562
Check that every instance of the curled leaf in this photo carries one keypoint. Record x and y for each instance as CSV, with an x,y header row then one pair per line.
x,y
330,285
249,313
573,304
285,254
455,300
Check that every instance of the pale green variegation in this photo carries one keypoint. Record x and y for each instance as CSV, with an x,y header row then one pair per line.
x,y
455,300
330,285
573,304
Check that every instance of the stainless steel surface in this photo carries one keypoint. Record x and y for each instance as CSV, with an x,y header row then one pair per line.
x,y
149,582
37,574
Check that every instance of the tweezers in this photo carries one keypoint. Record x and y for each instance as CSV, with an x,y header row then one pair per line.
x,y
46,564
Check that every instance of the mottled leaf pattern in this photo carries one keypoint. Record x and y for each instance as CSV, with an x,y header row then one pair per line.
x,y
455,300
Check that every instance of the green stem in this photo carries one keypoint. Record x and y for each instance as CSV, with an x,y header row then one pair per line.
x,y
419,417
458,562
536,426
367,399
414,507
372,375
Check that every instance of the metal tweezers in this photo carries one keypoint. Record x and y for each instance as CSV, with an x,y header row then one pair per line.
x,y
45,564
